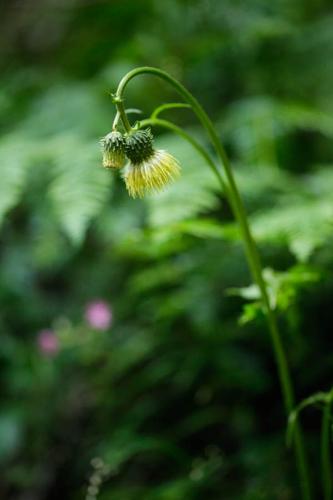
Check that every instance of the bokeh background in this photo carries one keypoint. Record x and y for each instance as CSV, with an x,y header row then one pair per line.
x,y
134,352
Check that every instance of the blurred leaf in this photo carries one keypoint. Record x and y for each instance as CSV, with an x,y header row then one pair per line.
x,y
282,288
81,186
14,158
68,107
125,447
192,193
314,399
282,224
10,435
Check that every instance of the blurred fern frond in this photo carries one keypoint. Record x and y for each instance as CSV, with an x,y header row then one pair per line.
x,y
80,187
15,156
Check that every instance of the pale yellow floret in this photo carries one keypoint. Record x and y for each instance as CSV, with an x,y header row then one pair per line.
x,y
113,159
152,174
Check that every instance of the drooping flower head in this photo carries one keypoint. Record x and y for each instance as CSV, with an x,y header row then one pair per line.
x,y
148,169
98,315
113,147
48,342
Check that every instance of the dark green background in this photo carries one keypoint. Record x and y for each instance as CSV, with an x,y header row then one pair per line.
x,y
179,399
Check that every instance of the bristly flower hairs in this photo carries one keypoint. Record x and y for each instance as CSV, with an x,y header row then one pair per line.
x,y
150,170
147,169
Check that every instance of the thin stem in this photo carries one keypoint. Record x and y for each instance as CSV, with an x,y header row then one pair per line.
x,y
116,121
121,114
133,111
251,253
169,105
326,460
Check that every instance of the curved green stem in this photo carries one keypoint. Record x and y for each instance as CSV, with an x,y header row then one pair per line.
x,y
250,249
116,121
169,105
133,111
326,461
121,114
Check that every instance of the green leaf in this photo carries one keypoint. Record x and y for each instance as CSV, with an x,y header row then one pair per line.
x,y
65,108
206,228
282,224
282,289
14,158
127,445
314,399
81,186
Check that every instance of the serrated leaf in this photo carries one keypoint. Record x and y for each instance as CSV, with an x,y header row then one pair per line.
x,y
81,186
14,158
64,108
281,289
282,223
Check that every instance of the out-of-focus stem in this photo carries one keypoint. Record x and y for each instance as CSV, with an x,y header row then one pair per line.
x,y
326,460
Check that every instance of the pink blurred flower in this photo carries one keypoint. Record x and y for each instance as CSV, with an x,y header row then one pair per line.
x,y
48,342
98,315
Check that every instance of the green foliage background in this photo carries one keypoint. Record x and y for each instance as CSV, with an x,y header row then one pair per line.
x,y
180,397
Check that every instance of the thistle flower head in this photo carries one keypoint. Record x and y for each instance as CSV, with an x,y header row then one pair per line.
x,y
113,147
148,169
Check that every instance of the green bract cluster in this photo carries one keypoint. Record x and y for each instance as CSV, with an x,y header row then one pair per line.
x,y
139,146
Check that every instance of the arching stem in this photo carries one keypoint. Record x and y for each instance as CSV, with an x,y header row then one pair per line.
x,y
250,249
168,105
121,114
326,436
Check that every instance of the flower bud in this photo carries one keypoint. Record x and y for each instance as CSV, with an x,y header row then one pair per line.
x,y
113,147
